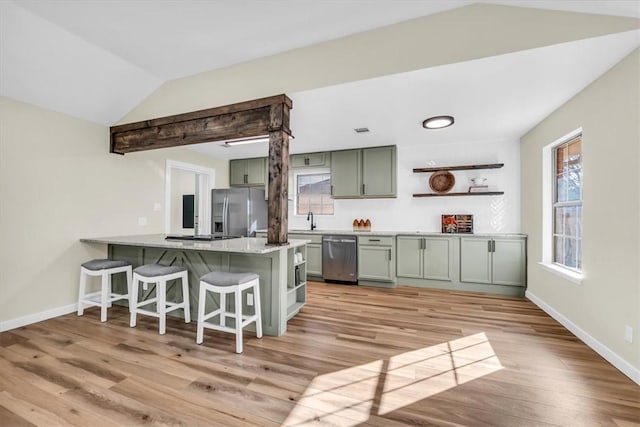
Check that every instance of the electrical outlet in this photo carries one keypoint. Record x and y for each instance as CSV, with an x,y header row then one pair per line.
x,y
628,333
157,207
142,220
249,299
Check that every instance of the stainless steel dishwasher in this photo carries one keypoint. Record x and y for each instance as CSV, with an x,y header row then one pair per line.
x,y
340,258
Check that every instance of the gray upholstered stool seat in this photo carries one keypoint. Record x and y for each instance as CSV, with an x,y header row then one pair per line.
x,y
104,298
152,270
223,283
223,278
158,275
102,264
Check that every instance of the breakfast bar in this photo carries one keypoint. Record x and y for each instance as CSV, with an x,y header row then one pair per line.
x,y
281,268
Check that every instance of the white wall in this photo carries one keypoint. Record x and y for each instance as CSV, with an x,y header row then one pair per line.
x,y
59,183
406,213
609,298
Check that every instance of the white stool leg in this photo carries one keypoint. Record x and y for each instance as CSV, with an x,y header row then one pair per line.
x,y
185,297
82,291
103,296
109,290
257,306
201,304
133,300
238,316
129,273
161,293
223,308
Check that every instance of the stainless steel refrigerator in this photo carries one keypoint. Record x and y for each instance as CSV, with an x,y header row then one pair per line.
x,y
238,211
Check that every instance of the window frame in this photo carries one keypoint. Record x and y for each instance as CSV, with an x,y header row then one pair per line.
x,y
548,209
308,171
566,204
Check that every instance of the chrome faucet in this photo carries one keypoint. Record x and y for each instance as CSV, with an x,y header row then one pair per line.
x,y
310,216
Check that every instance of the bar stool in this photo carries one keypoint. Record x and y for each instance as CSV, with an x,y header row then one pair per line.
x,y
159,274
104,268
224,283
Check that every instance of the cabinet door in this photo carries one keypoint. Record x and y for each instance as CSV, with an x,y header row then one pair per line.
x,y
437,259
509,259
379,172
409,256
314,259
345,174
375,263
237,171
475,260
308,160
255,171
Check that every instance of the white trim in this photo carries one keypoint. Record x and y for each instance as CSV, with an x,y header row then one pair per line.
x,y
572,276
207,182
618,362
37,317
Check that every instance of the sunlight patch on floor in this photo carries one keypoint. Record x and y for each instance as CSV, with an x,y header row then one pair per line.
x,y
348,397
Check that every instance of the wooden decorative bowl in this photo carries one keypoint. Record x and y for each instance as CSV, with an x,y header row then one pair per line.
x,y
442,181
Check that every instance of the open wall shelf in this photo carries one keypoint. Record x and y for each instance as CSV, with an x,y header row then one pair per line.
x,y
459,168
485,193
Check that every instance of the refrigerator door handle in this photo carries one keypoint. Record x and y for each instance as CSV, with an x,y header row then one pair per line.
x,y
225,216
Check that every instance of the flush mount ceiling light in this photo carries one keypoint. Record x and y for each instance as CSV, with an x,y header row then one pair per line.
x,y
438,122
251,140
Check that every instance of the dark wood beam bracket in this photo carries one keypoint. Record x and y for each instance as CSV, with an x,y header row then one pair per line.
x,y
259,117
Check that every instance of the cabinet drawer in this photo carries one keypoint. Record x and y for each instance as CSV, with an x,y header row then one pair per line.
x,y
375,240
315,238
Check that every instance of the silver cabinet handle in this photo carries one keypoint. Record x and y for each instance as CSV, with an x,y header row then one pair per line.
x,y
374,240
489,246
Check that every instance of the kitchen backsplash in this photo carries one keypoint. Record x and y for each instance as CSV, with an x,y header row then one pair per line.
x,y
490,213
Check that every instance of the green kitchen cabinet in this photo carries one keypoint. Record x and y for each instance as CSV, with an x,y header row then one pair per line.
x,y
309,160
365,173
376,258
379,172
498,261
424,257
314,252
346,174
314,259
247,172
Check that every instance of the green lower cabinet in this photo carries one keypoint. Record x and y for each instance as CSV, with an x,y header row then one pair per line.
x,y
499,261
509,257
409,256
376,263
314,259
424,257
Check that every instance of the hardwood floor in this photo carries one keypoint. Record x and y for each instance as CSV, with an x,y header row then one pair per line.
x,y
353,356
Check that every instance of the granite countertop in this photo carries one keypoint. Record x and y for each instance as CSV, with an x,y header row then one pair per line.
x,y
402,233
251,245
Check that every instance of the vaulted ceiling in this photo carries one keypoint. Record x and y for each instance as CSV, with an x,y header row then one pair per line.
x,y
98,59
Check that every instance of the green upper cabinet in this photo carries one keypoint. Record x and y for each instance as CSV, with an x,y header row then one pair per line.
x,y
499,261
309,160
346,178
379,172
247,172
364,173
424,257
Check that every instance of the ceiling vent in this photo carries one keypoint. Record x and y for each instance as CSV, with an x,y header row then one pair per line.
x,y
361,130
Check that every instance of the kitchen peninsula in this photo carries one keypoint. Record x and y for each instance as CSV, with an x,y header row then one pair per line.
x,y
281,294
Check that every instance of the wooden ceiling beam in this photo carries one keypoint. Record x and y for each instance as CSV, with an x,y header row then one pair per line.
x,y
240,120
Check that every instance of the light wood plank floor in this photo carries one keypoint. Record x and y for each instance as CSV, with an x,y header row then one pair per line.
x,y
353,356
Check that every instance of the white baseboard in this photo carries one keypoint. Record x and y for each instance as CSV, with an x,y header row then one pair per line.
x,y
37,317
625,367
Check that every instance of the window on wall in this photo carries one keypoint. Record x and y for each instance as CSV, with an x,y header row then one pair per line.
x,y
313,193
567,204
